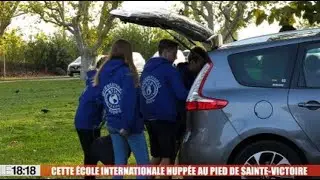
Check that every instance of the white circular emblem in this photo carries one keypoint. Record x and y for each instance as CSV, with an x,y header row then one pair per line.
x,y
112,97
150,88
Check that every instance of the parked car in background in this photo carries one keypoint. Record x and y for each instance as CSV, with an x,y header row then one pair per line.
x,y
75,66
181,58
256,103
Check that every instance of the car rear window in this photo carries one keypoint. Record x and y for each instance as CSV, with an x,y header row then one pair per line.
x,y
270,68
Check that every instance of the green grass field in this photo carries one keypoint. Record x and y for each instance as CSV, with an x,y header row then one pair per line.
x,y
29,136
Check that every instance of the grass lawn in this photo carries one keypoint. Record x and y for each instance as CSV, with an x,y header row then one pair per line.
x,y
27,135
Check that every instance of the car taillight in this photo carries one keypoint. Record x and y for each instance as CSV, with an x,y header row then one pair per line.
x,y
196,101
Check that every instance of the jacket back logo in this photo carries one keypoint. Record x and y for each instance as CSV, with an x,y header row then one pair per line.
x,y
150,88
112,97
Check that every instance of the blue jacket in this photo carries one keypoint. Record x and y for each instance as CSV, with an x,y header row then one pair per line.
x,y
161,89
89,112
120,97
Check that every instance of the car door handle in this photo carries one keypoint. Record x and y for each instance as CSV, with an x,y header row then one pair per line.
x,y
312,105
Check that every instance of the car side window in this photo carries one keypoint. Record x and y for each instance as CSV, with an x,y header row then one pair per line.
x,y
311,68
269,67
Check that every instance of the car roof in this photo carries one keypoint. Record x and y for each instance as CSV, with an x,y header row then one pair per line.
x,y
296,35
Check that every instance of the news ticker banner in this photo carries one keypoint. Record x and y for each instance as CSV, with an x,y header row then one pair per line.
x,y
178,170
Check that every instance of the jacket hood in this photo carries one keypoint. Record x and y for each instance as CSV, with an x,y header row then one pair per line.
x,y
155,62
112,65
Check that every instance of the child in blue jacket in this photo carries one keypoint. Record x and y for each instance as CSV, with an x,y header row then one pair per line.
x,y
118,84
161,89
88,117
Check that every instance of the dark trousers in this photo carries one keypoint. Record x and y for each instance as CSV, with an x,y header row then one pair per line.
x,y
162,137
102,150
87,137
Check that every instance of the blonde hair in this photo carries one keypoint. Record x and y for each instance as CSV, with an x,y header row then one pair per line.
x,y
121,49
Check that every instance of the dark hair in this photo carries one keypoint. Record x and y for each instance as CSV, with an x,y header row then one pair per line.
x,y
287,28
198,54
166,44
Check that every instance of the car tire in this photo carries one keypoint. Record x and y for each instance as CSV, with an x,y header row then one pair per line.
x,y
70,74
267,149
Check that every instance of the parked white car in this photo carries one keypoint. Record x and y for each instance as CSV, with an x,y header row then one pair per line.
x,y
75,66
181,58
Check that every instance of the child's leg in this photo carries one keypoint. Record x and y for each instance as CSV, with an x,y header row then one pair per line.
x,y
86,140
120,148
154,143
92,159
139,148
167,142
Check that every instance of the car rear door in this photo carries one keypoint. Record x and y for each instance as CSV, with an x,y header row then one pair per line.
x,y
304,95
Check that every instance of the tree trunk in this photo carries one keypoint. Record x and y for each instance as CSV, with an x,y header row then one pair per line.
x,y
46,67
87,58
4,66
210,17
210,22
227,32
63,20
86,53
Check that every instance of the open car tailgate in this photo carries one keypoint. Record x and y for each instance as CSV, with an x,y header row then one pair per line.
x,y
166,20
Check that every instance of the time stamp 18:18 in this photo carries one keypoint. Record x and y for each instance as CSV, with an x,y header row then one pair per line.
x,y
19,170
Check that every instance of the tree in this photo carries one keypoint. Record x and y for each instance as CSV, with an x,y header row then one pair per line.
x,y
229,15
37,52
143,39
47,53
9,10
290,12
63,50
79,19
139,37
13,45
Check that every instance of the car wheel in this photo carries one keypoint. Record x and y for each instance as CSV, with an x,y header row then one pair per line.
x,y
267,153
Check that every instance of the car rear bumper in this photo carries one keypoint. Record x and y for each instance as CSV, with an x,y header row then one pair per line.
x,y
74,69
209,140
